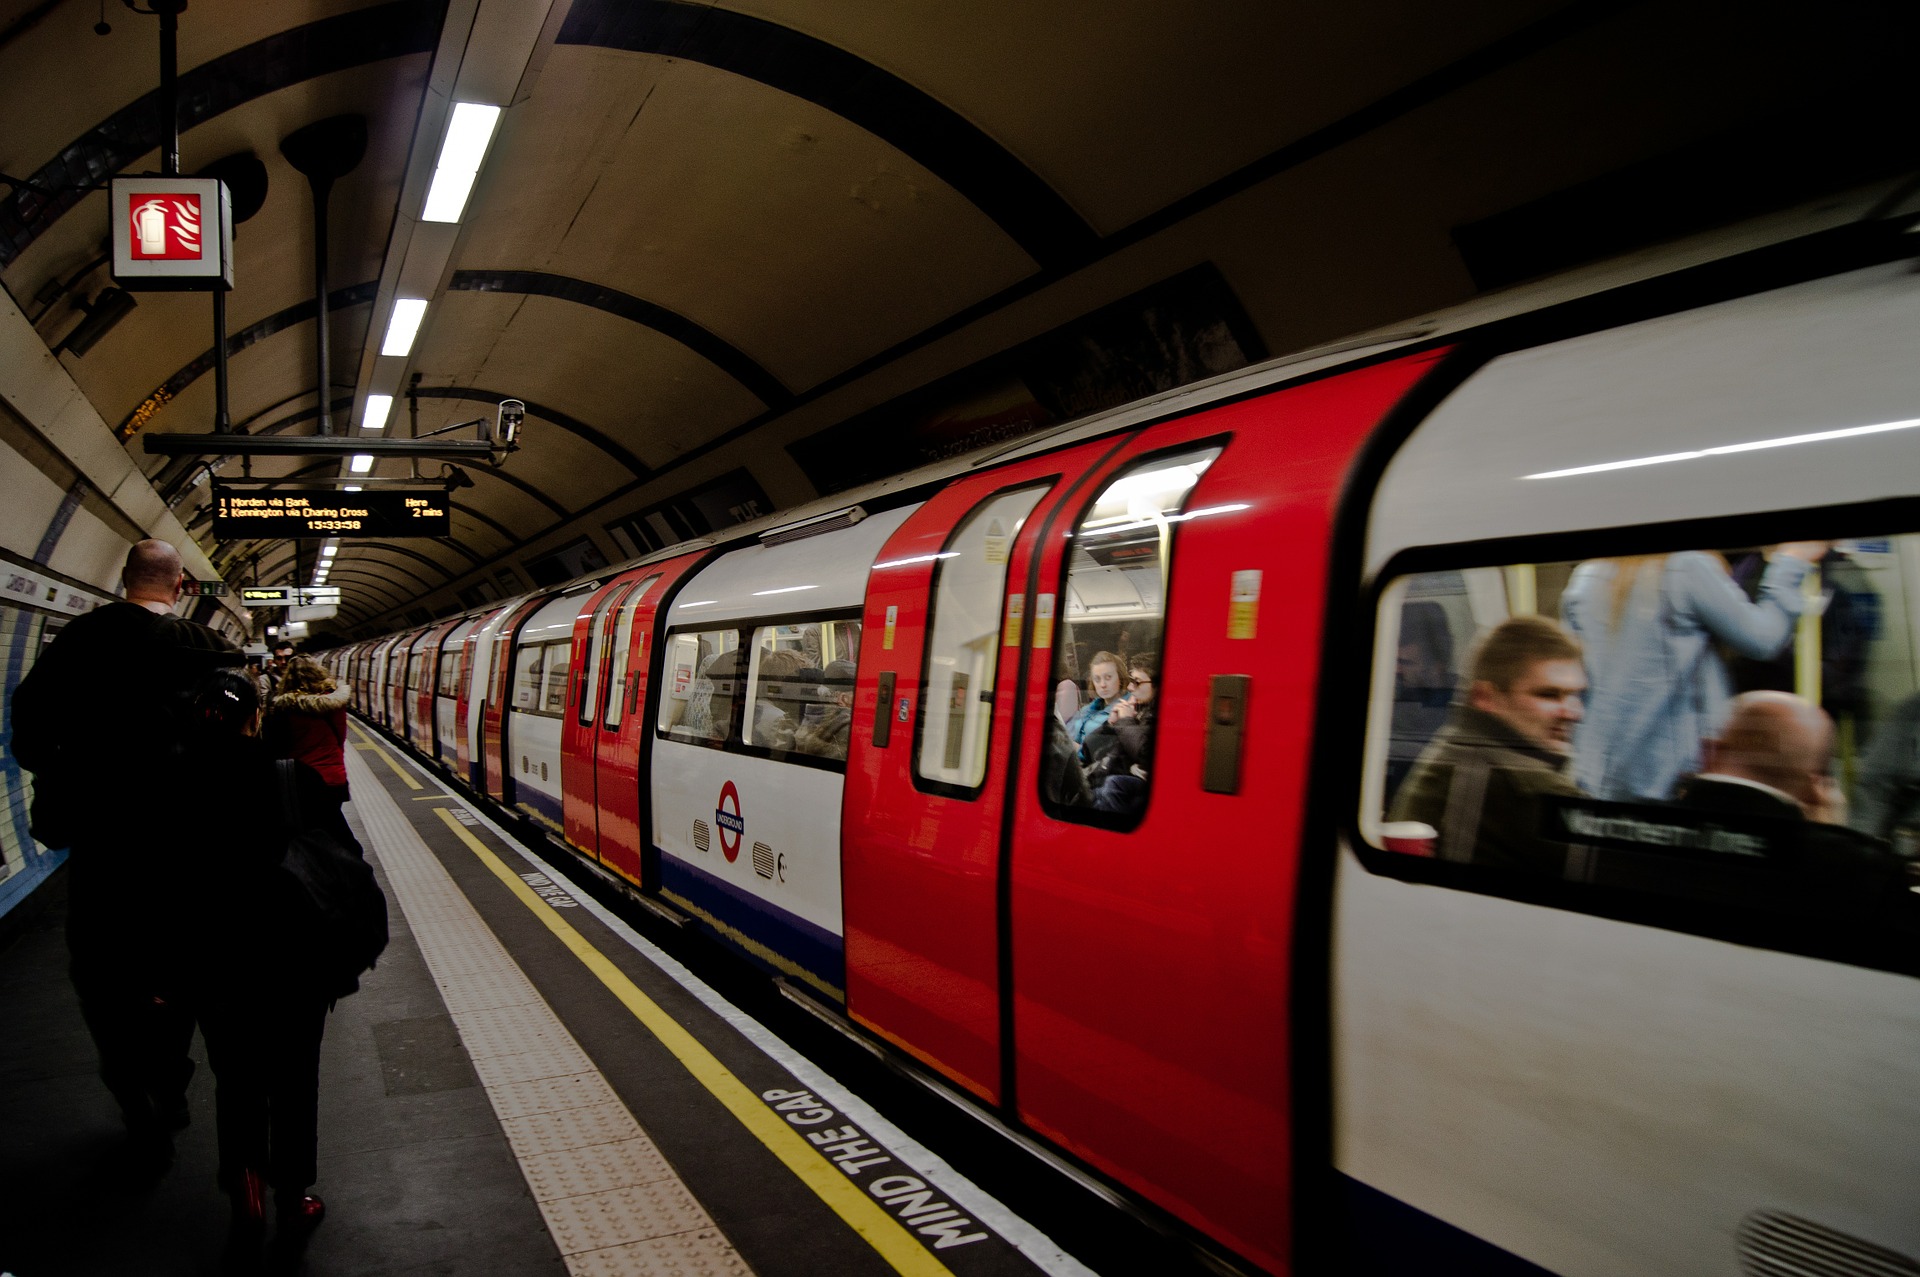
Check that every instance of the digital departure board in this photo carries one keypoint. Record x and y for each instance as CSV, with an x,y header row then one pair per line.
x,y
326,512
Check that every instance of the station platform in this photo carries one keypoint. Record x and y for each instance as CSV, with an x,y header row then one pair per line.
x,y
525,1084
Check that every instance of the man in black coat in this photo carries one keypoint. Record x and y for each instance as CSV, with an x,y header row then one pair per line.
x,y
97,721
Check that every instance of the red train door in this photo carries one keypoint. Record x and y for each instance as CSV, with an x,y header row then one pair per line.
x,y
1150,938
469,657
426,736
580,721
491,715
622,734
946,602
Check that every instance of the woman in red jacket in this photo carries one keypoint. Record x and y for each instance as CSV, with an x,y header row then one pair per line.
x,y
307,722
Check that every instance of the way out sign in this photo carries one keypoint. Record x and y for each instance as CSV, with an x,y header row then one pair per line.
x,y
171,232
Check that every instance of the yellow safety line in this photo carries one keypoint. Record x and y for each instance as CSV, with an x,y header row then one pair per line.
x,y
864,1215
394,763
428,798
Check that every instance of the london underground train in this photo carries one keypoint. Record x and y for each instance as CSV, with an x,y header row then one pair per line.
x,y
851,743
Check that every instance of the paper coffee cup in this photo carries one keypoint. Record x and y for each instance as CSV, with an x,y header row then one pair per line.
x,y
1409,837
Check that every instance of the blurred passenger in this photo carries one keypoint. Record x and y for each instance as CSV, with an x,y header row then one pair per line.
x,y
1118,777
250,938
1649,625
1103,680
307,722
1423,686
710,702
776,710
98,721
825,730
1063,781
1886,799
1505,750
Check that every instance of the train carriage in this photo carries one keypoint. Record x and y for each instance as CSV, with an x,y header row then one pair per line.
x,y
1236,985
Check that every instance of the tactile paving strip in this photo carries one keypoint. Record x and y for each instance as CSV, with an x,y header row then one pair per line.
x,y
611,1201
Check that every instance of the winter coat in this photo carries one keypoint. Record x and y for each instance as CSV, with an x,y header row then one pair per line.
x,y
1656,687
311,728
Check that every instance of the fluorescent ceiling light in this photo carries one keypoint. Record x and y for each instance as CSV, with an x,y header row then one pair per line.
x,y
375,417
1781,441
468,131
351,487
329,550
402,325
362,462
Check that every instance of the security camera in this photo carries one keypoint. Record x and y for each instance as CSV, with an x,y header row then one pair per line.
x,y
507,422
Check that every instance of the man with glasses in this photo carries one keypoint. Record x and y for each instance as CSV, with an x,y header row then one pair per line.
x,y
97,720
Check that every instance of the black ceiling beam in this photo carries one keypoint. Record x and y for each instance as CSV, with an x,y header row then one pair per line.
x,y
723,354
168,444
506,533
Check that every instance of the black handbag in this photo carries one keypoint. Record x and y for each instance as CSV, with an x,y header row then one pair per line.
x,y
347,909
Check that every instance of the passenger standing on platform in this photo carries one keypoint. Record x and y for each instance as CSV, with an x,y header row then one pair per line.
x,y
1649,625
252,940
307,722
98,720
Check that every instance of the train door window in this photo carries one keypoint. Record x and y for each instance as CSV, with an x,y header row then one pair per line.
x,y
964,641
1098,759
529,667
1733,728
702,671
558,657
618,675
800,688
596,645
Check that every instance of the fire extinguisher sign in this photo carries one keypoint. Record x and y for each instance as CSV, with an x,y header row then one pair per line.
x,y
172,232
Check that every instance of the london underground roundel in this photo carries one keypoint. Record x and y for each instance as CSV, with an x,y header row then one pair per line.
x,y
727,816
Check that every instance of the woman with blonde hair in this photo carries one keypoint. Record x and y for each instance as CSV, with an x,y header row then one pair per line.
x,y
1647,625
307,722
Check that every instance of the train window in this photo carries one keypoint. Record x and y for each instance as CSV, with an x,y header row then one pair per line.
x,y
1098,757
964,640
1734,726
558,656
596,647
529,667
800,688
701,673
617,673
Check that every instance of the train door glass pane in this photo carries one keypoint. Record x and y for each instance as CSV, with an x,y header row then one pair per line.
x,y
558,656
964,641
1106,656
1736,727
529,665
702,672
622,641
800,688
596,644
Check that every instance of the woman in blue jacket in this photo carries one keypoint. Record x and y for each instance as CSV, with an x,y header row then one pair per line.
x,y
1657,688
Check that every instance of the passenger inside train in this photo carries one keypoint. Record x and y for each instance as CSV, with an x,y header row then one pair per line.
x,y
1656,690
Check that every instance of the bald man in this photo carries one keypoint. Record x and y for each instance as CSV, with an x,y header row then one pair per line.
x,y
1773,759
96,720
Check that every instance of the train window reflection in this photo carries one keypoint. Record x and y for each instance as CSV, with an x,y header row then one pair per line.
x,y
964,641
1738,725
1098,755
529,665
800,688
558,657
701,670
618,673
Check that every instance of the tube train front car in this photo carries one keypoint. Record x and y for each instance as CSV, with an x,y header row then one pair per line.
x,y
832,740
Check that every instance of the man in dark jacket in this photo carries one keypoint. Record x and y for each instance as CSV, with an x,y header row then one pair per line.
x,y
97,721
1483,781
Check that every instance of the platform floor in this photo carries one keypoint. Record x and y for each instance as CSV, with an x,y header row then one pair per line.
x,y
523,1085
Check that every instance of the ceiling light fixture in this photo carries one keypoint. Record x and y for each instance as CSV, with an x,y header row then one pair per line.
x,y
403,324
375,417
1781,441
468,131
362,463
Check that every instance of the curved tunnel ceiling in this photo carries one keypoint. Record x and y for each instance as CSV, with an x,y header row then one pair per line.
x,y
724,252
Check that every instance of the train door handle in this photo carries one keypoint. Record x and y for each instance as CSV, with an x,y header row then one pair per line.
x,y
1226,726
883,713
633,701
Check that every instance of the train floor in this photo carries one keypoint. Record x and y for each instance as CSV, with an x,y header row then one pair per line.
x,y
525,1084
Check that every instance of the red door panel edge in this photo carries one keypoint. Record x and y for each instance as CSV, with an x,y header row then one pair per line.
x,y
1122,1054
